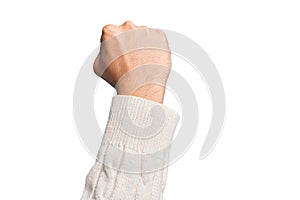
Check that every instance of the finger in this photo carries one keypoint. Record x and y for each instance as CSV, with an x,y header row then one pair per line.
x,y
128,25
142,26
109,31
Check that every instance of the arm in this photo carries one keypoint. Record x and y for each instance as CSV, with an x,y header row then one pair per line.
x,y
133,157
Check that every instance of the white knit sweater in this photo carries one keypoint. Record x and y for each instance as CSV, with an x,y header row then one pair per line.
x,y
133,157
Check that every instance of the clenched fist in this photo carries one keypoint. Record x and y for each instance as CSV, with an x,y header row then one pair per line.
x,y
136,60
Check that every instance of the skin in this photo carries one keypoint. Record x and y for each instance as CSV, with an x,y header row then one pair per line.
x,y
132,60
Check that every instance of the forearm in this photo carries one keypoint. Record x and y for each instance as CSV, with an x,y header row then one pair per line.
x,y
133,157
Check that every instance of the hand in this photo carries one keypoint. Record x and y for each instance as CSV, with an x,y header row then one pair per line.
x,y
143,72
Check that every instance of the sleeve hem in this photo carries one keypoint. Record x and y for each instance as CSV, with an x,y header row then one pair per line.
x,y
140,125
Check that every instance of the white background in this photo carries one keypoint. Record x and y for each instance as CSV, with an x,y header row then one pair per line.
x,y
254,44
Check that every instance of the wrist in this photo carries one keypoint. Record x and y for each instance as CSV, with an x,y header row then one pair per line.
x,y
151,92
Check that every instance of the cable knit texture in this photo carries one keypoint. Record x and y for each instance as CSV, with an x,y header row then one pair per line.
x,y
133,157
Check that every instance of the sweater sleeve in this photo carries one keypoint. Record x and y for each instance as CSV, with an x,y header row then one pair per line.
x,y
133,157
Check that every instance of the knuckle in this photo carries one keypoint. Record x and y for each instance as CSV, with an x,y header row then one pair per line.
x,y
107,28
129,23
143,27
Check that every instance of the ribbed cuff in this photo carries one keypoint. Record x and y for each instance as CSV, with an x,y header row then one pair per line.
x,y
138,135
140,125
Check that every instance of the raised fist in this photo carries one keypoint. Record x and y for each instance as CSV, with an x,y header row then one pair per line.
x,y
136,60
